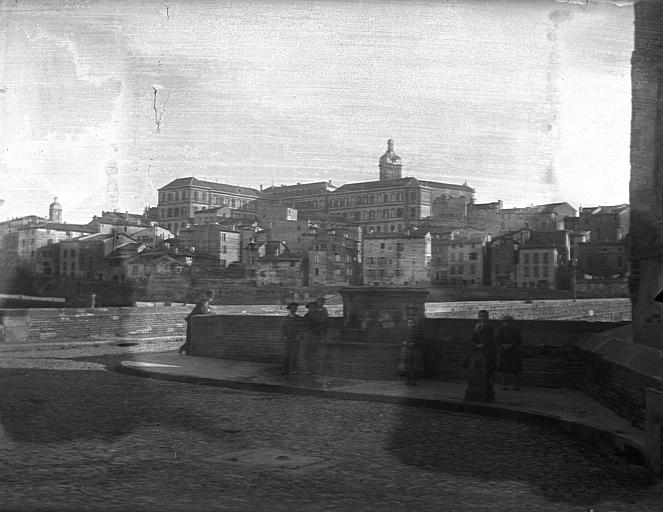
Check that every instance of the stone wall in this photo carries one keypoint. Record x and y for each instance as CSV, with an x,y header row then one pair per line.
x,y
646,184
551,355
617,373
26,326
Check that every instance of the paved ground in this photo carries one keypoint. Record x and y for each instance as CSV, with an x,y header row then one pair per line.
x,y
76,436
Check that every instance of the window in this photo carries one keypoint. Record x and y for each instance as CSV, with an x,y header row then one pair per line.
x,y
472,256
473,269
399,247
460,269
413,212
169,197
224,249
536,271
195,195
526,271
526,259
535,258
545,271
546,258
316,271
382,246
134,269
399,212
385,198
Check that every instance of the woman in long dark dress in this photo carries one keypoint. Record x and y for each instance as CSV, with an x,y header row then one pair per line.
x,y
480,362
509,341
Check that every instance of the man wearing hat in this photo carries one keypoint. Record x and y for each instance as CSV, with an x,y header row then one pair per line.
x,y
291,328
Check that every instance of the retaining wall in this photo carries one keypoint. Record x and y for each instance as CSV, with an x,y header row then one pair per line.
x,y
27,326
617,373
551,357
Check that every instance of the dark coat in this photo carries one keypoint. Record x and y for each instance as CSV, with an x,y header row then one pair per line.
x,y
509,341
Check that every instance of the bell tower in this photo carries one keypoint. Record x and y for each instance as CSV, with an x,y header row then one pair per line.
x,y
391,166
55,211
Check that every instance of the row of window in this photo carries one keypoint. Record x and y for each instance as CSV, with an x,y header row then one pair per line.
x,y
460,269
473,256
337,272
203,196
382,260
545,271
400,247
534,258
361,200
337,258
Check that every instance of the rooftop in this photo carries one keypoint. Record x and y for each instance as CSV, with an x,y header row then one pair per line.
x,y
401,182
211,185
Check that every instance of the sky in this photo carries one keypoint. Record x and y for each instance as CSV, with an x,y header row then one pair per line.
x,y
526,101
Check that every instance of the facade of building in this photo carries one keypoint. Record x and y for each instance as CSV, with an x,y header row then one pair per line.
x,y
110,222
397,259
306,197
334,257
117,268
216,240
12,225
602,260
85,256
605,223
182,197
467,259
24,243
503,257
151,236
282,270
498,220
390,204
538,266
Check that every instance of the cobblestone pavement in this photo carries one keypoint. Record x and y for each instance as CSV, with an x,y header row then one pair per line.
x,y
78,437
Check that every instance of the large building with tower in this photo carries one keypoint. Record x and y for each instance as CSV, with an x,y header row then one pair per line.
x,y
388,205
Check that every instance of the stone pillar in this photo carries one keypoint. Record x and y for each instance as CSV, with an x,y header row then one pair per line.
x,y
380,313
646,187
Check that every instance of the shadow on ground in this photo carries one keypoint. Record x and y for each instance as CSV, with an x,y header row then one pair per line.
x,y
45,406
563,468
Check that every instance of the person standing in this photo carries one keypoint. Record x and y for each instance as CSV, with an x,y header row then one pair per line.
x,y
322,317
316,323
202,308
509,341
414,360
483,337
480,362
291,328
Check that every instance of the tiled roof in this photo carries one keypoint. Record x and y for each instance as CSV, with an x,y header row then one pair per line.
x,y
316,187
620,208
218,187
58,226
401,182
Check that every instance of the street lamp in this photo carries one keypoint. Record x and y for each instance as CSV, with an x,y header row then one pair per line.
x,y
574,277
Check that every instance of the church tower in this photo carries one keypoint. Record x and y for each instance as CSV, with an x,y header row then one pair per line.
x,y
390,164
55,211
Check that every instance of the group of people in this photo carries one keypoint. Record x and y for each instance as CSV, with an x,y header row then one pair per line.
x,y
302,334
493,352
